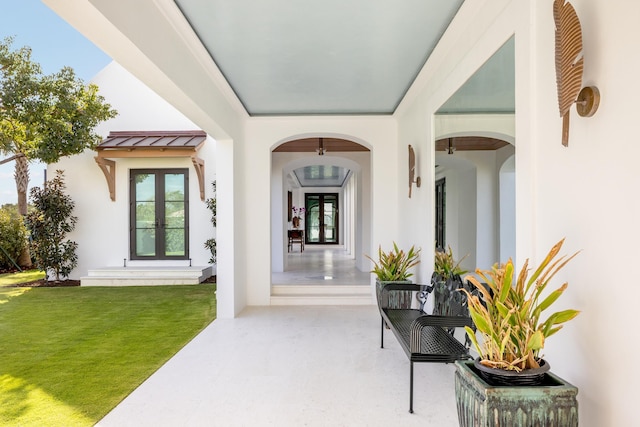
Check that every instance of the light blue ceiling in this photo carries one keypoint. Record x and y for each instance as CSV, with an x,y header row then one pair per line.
x,y
491,89
284,57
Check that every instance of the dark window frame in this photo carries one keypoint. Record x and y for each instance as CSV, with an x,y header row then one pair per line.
x,y
321,207
440,213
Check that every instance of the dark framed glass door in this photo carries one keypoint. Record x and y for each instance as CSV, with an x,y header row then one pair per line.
x,y
159,214
441,197
321,225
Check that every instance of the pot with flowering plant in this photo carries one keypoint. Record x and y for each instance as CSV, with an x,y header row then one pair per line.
x,y
508,318
298,213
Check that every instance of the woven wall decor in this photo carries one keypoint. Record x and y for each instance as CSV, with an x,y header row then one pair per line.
x,y
569,67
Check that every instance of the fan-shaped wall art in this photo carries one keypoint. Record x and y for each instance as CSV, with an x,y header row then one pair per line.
x,y
569,67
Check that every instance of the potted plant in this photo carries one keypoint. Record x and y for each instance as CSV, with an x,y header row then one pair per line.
x,y
446,279
297,214
393,267
509,319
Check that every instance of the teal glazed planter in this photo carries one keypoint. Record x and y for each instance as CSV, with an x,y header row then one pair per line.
x,y
551,404
398,299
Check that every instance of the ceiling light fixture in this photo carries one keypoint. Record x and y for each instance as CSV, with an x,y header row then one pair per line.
x,y
450,147
320,150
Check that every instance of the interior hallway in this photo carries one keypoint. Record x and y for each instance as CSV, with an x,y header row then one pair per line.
x,y
321,265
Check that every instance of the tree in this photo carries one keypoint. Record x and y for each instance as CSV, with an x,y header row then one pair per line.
x,y
49,223
44,117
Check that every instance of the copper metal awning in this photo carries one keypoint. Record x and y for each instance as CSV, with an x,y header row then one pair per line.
x,y
150,144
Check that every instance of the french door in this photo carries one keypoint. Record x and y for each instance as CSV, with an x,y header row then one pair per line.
x,y
321,225
159,214
441,197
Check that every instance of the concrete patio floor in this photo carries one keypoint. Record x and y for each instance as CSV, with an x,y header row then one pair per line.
x,y
294,366
291,366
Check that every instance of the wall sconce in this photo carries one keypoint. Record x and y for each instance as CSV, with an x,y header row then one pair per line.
x,y
412,170
569,67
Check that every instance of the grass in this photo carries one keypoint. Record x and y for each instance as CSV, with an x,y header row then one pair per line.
x,y
69,355
9,279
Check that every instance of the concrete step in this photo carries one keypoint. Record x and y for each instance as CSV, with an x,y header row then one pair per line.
x,y
146,276
321,295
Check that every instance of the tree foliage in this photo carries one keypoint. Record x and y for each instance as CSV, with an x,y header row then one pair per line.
x,y
13,237
49,223
44,117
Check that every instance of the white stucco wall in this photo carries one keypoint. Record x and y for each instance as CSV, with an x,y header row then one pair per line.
x,y
102,232
582,192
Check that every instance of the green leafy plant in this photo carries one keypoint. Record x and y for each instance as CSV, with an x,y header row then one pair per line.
x,y
509,315
395,264
49,223
211,244
13,238
445,265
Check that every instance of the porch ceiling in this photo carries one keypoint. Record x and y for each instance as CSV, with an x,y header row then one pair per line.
x,y
328,57
276,57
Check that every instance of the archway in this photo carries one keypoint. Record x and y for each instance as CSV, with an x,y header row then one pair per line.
x,y
297,169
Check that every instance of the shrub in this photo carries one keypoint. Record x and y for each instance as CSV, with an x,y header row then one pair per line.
x,y
13,237
211,244
49,224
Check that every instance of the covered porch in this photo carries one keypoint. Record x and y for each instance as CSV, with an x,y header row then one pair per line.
x,y
292,366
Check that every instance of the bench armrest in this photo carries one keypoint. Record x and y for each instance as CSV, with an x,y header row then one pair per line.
x,y
432,320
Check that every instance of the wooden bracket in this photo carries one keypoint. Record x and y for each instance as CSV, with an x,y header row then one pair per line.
x,y
198,164
109,170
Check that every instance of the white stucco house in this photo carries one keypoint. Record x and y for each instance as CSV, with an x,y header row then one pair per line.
x,y
146,158
509,200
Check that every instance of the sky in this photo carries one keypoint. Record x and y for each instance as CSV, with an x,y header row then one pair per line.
x,y
54,44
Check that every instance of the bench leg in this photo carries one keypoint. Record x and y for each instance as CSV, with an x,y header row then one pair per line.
x,y
411,388
382,333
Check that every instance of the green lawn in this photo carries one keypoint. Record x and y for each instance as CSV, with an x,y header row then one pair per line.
x,y
9,279
69,355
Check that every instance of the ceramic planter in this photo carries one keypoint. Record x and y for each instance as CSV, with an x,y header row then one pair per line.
x,y
443,292
552,404
399,299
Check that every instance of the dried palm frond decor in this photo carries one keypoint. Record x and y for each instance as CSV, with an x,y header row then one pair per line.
x,y
569,67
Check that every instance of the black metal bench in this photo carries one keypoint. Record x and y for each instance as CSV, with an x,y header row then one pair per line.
x,y
427,337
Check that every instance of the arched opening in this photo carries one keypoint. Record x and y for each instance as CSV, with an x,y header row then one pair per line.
x,y
479,198
475,157
326,183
